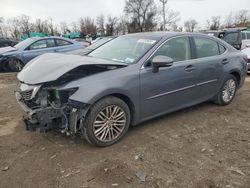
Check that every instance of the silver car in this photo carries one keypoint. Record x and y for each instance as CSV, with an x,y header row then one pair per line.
x,y
127,81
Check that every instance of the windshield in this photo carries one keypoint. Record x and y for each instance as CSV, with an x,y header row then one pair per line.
x,y
99,43
231,38
23,44
125,49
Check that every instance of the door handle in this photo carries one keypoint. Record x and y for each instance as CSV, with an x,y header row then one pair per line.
x,y
225,61
189,68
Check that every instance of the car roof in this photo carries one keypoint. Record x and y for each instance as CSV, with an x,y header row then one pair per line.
x,y
50,37
164,34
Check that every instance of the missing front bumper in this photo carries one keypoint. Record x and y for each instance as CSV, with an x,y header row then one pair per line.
x,y
68,119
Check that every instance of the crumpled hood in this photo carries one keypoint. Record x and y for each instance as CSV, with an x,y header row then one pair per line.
x,y
51,66
7,49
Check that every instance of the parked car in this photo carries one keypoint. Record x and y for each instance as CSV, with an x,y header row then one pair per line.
x,y
231,36
128,80
4,42
245,39
14,58
85,42
247,52
92,47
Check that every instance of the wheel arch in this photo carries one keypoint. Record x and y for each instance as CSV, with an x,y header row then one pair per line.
x,y
236,74
125,99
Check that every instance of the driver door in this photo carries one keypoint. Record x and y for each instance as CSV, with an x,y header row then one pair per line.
x,y
171,87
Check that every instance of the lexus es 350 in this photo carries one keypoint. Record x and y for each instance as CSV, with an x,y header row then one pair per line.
x,y
128,80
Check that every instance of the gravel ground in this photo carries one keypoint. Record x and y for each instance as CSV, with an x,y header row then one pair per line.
x,y
203,146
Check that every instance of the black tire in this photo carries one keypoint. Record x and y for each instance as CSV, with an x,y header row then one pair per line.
x,y
88,128
15,65
5,67
219,99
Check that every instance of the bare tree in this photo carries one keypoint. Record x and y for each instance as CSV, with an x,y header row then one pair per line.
x,y
214,23
74,27
87,26
14,26
190,25
242,18
25,24
52,28
122,26
111,25
170,17
100,21
164,3
141,14
229,20
64,27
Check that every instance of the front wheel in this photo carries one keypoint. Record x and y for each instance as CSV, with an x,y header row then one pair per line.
x,y
107,122
227,92
15,65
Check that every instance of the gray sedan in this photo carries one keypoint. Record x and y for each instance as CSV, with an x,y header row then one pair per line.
x,y
127,81
14,58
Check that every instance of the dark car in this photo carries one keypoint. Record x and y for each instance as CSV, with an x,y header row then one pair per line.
x,y
4,42
128,80
231,36
14,58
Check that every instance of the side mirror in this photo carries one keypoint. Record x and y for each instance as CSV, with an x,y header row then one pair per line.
x,y
161,61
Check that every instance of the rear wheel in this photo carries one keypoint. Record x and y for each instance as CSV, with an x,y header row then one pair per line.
x,y
227,92
107,122
15,65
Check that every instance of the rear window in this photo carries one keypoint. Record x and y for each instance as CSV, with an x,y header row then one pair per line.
x,y
205,47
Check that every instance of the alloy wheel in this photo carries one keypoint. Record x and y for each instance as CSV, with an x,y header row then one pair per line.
x,y
109,123
228,90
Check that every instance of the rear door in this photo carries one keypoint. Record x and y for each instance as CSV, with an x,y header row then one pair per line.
x,y
38,48
209,63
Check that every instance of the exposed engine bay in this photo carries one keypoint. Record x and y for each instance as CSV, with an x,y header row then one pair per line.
x,y
46,106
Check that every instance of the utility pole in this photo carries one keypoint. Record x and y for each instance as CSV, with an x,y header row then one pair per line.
x,y
164,2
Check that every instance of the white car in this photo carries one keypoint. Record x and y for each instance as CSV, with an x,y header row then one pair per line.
x,y
247,52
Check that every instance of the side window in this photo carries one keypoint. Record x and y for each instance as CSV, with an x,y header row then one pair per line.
x,y
178,49
248,35
231,38
243,35
205,47
50,43
60,42
38,45
222,49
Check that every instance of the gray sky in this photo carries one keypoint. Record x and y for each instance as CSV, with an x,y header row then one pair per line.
x,y
72,10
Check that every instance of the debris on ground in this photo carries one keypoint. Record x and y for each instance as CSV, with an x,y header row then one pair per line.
x,y
237,171
141,176
53,156
6,168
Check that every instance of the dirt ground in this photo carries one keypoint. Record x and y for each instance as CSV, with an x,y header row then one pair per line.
x,y
203,146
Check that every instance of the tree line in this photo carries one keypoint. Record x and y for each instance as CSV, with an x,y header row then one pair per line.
x,y
138,16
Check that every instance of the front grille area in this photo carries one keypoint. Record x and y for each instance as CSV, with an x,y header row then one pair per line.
x,y
26,95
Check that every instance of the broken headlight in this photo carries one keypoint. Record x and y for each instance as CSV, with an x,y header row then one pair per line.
x,y
60,97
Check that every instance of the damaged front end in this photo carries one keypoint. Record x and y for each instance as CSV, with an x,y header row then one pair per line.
x,y
46,102
47,108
